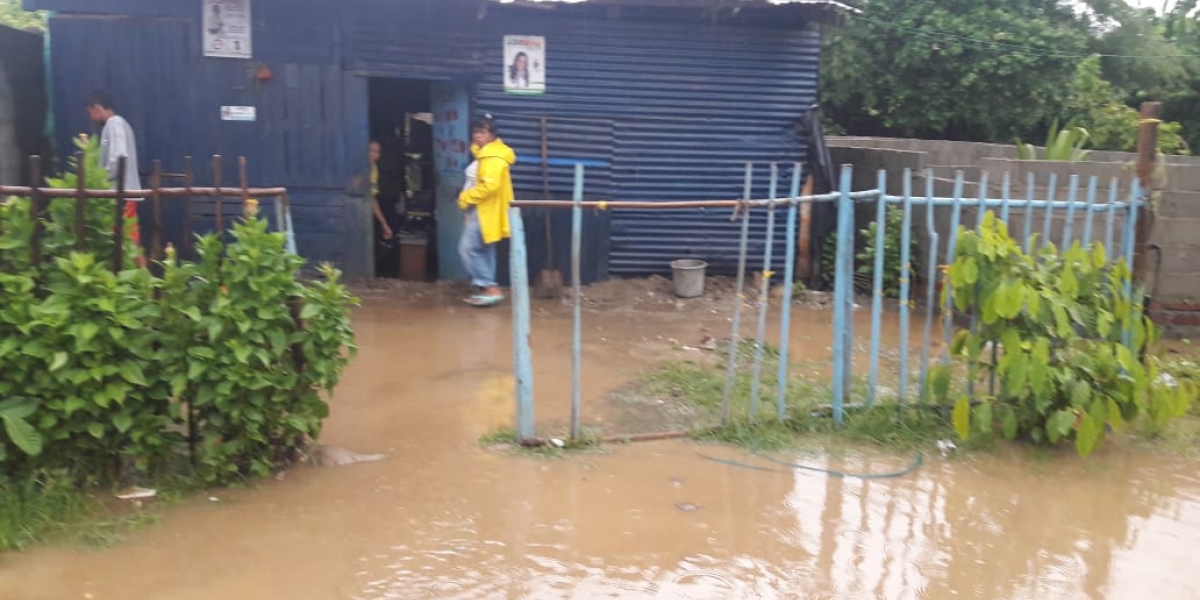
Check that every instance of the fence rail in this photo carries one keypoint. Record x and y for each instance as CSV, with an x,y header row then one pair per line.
x,y
155,194
940,238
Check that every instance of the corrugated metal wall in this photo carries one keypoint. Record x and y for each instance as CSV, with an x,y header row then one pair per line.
x,y
690,105
307,136
660,109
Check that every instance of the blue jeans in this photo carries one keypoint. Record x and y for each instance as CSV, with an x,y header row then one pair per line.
x,y
478,258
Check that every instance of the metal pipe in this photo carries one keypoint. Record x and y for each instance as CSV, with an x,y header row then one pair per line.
x,y
906,276
577,287
738,298
1069,226
764,299
785,313
930,284
1049,222
877,286
1030,182
522,355
1109,251
951,250
843,301
1005,194
1093,183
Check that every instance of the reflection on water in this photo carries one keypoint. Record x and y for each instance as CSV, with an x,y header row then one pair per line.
x,y
444,518
980,529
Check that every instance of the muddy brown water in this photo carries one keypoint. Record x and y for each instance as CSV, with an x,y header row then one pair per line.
x,y
444,518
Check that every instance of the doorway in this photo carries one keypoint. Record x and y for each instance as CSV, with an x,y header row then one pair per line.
x,y
400,115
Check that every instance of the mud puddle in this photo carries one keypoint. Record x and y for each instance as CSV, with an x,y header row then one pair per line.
x,y
442,517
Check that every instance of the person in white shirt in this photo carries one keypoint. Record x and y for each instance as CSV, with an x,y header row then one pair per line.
x,y
116,141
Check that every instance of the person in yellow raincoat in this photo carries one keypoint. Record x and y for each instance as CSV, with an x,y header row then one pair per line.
x,y
485,199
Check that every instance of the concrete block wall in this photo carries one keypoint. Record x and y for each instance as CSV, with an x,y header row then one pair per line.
x,y
1177,227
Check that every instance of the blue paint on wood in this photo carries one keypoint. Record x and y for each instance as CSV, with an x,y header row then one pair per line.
x,y
577,301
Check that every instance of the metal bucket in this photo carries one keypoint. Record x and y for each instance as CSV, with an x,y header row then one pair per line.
x,y
688,277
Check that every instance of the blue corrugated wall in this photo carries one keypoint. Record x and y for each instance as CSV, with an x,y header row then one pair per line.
x,y
689,104
660,110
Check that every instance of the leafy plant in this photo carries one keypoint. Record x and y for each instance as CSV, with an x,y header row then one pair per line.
x,y
1064,144
255,349
13,413
229,355
1093,103
1061,344
893,268
12,15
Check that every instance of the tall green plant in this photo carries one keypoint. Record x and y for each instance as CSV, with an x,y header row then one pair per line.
x,y
1064,144
255,348
1071,344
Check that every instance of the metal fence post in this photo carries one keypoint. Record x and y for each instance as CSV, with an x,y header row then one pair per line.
x,y
843,300
764,295
785,316
877,285
577,288
522,355
739,297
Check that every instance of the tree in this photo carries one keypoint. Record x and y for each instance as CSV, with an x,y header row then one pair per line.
x,y
12,15
1112,125
981,70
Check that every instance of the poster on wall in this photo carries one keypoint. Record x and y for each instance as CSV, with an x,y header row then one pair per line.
x,y
227,28
524,64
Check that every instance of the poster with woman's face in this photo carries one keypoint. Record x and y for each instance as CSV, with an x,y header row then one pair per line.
x,y
524,64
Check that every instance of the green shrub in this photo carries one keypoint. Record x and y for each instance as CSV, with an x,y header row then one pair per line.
x,y
1071,344
893,268
228,355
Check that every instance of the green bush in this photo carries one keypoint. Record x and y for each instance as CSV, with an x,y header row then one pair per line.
x,y
1063,338
893,268
228,355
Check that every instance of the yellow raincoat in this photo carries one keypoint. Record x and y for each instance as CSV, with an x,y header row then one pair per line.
x,y
493,191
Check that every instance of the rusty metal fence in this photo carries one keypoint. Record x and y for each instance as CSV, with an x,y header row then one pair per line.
x,y
156,195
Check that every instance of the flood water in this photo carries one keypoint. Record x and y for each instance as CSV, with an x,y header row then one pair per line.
x,y
444,518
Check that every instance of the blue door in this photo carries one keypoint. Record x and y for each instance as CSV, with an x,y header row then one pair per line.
x,y
451,155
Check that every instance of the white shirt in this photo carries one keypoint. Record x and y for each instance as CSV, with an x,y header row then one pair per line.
x,y
116,140
471,175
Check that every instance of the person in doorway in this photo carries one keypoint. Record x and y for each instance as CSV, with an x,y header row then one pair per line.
x,y
485,198
374,151
117,141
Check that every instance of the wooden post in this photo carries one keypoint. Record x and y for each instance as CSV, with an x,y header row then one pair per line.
x,y
1147,156
218,198
804,245
188,176
80,201
35,211
118,257
156,250
246,210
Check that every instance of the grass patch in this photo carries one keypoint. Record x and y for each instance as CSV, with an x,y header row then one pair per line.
x,y
696,389
44,509
555,446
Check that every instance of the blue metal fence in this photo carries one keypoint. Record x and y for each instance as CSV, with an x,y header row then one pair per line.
x,y
944,214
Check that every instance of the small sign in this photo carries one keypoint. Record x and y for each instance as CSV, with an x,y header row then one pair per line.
x,y
239,113
227,28
525,64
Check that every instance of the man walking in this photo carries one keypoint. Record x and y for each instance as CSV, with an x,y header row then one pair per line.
x,y
117,141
